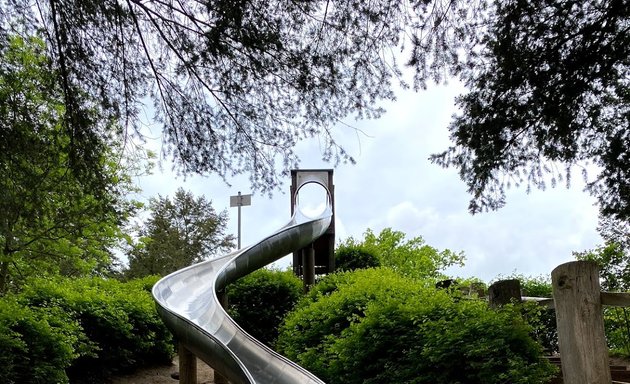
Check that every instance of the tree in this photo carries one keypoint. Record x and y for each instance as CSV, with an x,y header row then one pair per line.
x,y
237,83
548,93
52,220
179,233
413,257
615,231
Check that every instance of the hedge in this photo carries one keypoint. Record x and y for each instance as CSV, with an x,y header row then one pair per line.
x,y
259,301
80,330
378,327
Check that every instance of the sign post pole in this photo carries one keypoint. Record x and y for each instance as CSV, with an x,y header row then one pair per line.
x,y
239,201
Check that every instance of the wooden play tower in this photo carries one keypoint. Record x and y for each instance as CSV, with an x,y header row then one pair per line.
x,y
318,257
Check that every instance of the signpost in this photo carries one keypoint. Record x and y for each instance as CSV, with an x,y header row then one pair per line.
x,y
239,201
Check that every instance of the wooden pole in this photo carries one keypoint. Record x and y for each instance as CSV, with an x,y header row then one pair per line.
x,y
223,299
187,366
504,292
581,338
308,261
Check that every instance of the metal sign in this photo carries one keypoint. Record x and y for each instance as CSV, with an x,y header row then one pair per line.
x,y
240,200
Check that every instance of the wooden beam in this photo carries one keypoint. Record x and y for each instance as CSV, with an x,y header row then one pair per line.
x,y
187,366
616,299
308,261
613,299
546,302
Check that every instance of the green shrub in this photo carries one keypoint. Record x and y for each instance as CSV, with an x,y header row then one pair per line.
x,y
613,259
617,327
349,257
378,327
542,320
332,305
120,327
259,301
36,345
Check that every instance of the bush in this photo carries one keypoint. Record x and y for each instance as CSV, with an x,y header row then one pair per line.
x,y
349,257
377,327
119,327
36,345
259,301
331,306
542,320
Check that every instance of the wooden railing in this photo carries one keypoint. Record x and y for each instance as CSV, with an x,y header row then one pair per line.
x,y
578,302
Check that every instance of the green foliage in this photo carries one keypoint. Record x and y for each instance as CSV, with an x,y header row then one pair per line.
x,y
259,301
535,286
617,327
37,345
379,327
118,326
613,260
330,307
411,258
541,319
439,341
615,231
179,233
548,90
349,257
54,219
237,84
614,265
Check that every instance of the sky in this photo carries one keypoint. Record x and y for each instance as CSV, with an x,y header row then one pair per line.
x,y
393,184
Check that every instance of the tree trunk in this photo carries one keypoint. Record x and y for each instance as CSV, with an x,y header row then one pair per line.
x,y
4,277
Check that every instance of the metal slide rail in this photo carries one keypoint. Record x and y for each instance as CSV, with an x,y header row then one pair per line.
x,y
188,304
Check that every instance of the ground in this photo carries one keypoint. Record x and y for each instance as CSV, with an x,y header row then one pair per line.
x,y
162,375
205,374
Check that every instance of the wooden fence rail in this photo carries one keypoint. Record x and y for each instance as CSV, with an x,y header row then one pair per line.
x,y
578,302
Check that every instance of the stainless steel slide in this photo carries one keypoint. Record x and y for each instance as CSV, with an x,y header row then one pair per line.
x,y
188,304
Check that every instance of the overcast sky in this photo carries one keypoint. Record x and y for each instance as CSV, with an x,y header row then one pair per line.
x,y
394,185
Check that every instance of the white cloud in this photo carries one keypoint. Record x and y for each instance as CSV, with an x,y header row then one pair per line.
x,y
394,185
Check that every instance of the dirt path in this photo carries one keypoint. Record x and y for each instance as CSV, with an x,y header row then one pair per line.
x,y
162,375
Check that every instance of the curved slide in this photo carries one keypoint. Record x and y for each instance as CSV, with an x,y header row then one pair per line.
x,y
188,304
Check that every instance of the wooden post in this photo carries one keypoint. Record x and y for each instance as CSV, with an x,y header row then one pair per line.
x,y
445,284
187,366
504,292
223,299
580,321
308,261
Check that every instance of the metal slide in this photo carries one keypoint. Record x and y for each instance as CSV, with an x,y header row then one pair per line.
x,y
188,304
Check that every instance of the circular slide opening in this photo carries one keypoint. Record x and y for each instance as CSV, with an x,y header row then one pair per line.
x,y
312,199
